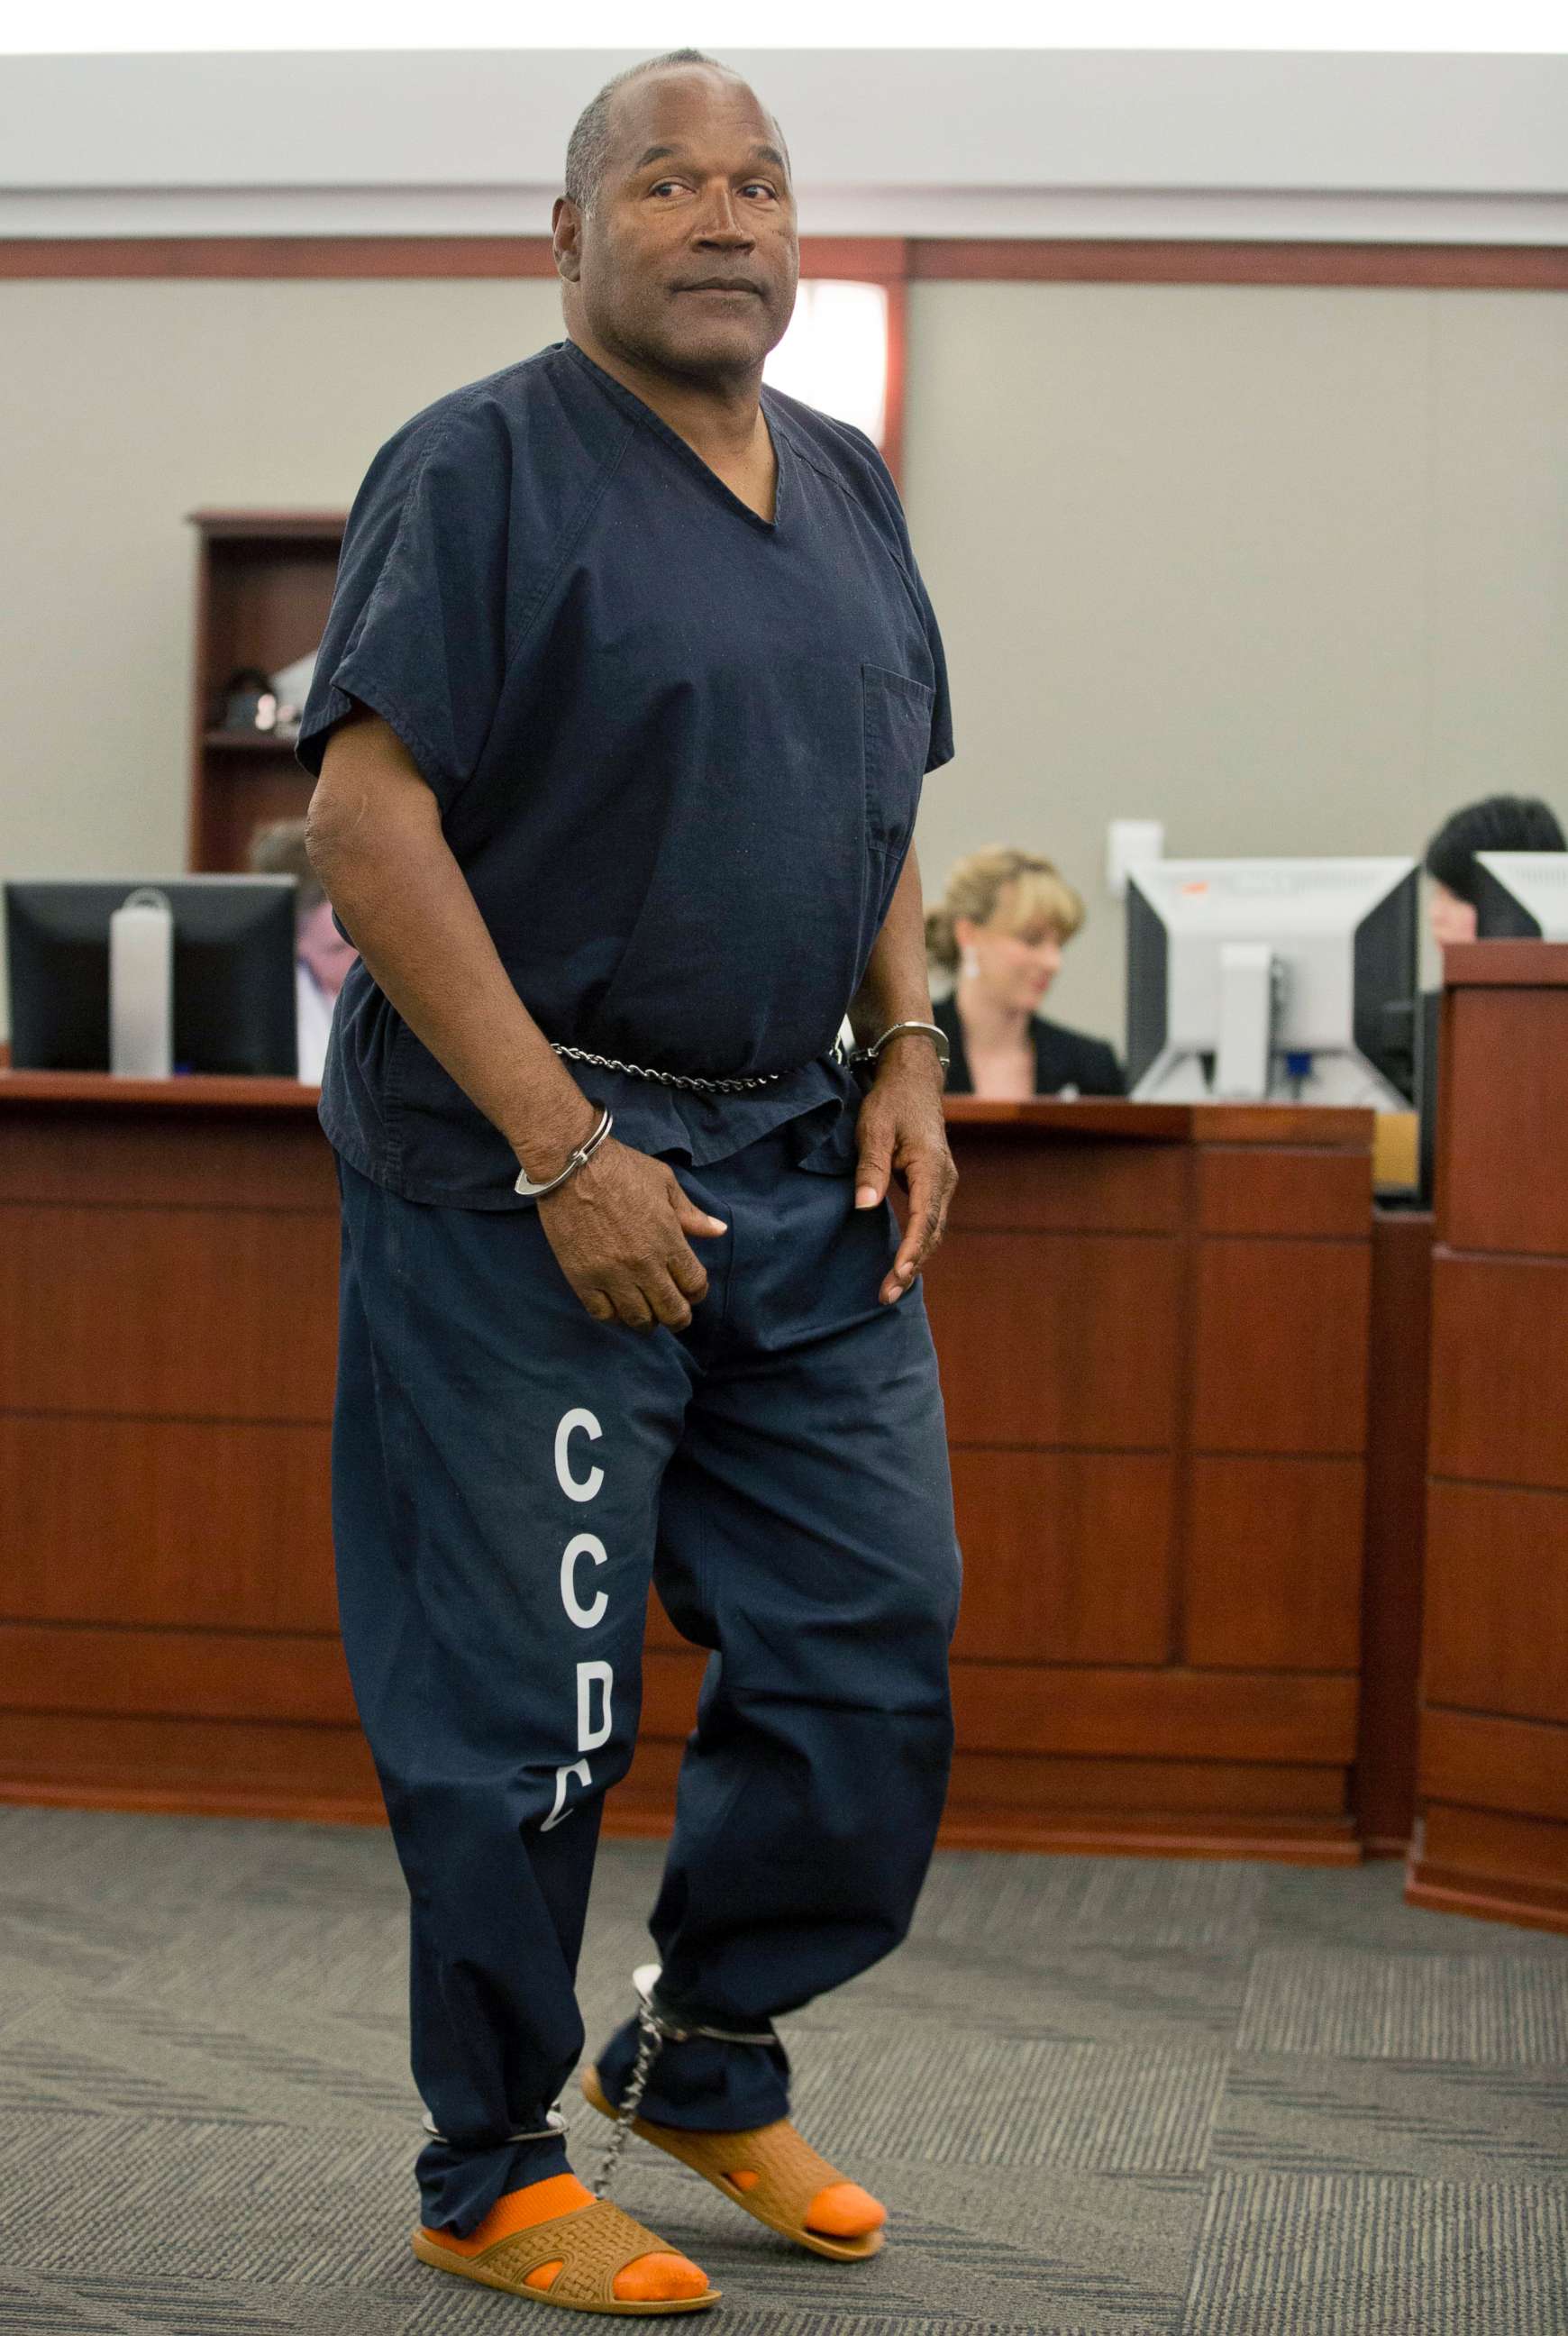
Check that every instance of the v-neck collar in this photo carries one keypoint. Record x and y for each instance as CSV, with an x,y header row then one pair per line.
x,y
638,412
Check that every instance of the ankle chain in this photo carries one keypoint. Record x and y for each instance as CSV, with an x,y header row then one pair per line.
x,y
655,2031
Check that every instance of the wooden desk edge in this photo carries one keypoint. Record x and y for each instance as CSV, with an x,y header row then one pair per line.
x,y
1506,965
1107,1118
1294,1125
100,1090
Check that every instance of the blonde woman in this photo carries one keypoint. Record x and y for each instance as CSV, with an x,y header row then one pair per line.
x,y
1000,928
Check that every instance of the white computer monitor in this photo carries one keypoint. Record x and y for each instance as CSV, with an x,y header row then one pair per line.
x,y
1523,896
1278,980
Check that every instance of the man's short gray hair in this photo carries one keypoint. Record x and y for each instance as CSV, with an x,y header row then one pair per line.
x,y
587,148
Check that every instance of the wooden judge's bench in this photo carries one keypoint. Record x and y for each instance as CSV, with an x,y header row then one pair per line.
x,y
1493,1828
1153,1324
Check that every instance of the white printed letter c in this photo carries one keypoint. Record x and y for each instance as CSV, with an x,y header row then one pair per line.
x,y
576,1488
585,1545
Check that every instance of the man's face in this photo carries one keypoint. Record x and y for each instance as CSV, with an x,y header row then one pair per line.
x,y
688,259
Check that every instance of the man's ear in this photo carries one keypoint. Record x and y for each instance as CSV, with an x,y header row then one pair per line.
x,y
566,234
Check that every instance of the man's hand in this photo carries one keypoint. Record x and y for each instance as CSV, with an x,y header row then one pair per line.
x,y
901,1130
619,1231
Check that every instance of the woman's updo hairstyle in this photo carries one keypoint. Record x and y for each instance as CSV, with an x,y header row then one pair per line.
x,y
975,887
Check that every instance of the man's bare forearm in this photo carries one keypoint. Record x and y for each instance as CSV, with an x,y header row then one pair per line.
x,y
897,987
376,841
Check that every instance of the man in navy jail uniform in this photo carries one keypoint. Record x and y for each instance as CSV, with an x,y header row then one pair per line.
x,y
619,727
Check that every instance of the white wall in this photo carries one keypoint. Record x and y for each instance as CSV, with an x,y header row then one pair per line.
x,y
1399,147
1288,569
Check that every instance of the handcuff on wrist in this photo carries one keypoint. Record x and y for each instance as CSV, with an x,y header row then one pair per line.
x,y
579,1159
584,1153
931,1030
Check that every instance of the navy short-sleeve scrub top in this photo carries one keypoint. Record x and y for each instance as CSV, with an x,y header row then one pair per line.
x,y
677,749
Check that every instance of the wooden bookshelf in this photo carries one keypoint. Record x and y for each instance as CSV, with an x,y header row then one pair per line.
x,y
263,587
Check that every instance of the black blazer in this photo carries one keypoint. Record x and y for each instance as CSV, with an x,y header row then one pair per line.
x,y
1063,1058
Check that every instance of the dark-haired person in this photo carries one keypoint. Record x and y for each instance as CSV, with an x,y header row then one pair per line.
x,y
1000,927
1498,823
621,718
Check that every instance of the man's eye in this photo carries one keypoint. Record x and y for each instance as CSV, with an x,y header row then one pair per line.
x,y
760,187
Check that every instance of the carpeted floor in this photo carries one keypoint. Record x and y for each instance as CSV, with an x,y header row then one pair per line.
x,y
1102,2098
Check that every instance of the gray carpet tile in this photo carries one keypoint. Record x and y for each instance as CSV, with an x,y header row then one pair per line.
x,y
955,2098
1466,2008
1379,2117
974,1896
1334,2254
1102,2098
1072,1993
1363,1907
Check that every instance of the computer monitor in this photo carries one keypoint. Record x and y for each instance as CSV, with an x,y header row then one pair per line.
x,y
1270,979
1522,896
234,994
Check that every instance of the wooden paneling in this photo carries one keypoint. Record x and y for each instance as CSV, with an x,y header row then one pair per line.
x,y
75,1097
1052,1339
1128,1188
1121,1713
1062,1785
639,1805
1400,1342
1506,965
1275,1564
1494,1751
1021,260
1499,1369
671,1677
1506,1869
1288,1840
1282,1347
1269,1192
1497,1600
167,1295
1448,267
1072,1556
186,1314
1155,1715
130,1162
137,1521
1487,1203
1517,1765
265,1769
365,258
175,1674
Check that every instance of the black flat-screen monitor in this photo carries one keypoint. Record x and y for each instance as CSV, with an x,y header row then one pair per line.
x,y
234,979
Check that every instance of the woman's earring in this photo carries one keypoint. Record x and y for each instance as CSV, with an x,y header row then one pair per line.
x,y
969,964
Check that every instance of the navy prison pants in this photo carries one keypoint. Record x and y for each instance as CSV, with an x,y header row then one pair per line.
x,y
507,1474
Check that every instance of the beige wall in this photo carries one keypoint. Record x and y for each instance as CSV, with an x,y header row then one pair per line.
x,y
1287,569
125,405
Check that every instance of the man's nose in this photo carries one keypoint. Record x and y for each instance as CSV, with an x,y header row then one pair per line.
x,y
721,224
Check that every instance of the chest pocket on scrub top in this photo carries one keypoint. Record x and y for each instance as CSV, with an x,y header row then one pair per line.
x,y
897,737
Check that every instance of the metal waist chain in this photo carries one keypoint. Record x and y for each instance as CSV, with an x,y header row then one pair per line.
x,y
669,1079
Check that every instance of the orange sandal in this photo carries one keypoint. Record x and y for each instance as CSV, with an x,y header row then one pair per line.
x,y
591,2246
772,2172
